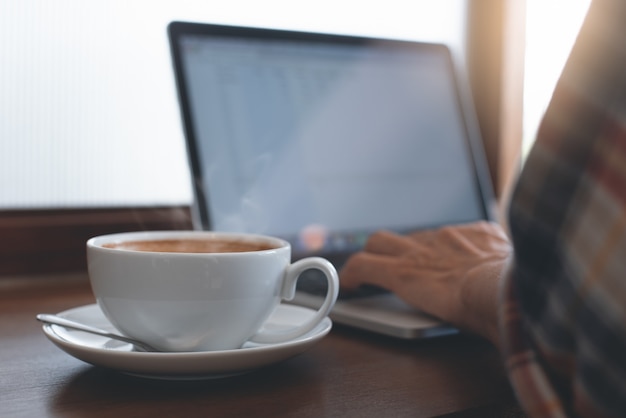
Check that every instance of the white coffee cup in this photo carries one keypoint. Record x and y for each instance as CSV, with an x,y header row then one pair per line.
x,y
199,301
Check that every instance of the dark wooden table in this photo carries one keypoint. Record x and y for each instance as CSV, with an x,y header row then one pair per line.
x,y
348,374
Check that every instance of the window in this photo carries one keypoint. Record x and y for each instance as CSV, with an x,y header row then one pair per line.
x,y
551,29
88,111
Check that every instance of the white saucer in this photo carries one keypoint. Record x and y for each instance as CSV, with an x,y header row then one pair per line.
x,y
102,351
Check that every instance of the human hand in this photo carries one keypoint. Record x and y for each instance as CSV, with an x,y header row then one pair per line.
x,y
452,272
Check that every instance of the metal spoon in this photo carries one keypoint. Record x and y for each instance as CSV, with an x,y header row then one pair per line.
x,y
67,323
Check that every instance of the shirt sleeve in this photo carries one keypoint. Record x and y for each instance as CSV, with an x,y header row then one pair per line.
x,y
563,310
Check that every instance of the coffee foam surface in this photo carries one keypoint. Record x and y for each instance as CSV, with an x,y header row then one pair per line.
x,y
191,245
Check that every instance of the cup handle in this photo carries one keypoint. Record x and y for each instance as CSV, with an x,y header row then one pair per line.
x,y
288,292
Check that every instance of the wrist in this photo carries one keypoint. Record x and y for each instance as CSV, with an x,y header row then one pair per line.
x,y
480,300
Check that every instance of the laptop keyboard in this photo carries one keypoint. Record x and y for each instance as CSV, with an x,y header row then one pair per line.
x,y
314,282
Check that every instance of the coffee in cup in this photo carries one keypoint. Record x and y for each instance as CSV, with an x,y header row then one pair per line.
x,y
199,290
191,245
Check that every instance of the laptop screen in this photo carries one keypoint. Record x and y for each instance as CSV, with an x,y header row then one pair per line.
x,y
323,139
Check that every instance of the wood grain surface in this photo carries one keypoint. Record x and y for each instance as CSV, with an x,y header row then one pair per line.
x,y
348,374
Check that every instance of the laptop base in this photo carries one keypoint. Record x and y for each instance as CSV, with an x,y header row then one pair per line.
x,y
384,314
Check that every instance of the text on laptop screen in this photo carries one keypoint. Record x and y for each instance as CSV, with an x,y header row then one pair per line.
x,y
324,143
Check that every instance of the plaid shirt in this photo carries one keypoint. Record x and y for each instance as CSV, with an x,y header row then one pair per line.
x,y
563,316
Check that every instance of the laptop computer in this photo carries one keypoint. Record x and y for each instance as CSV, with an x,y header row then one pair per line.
x,y
322,139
